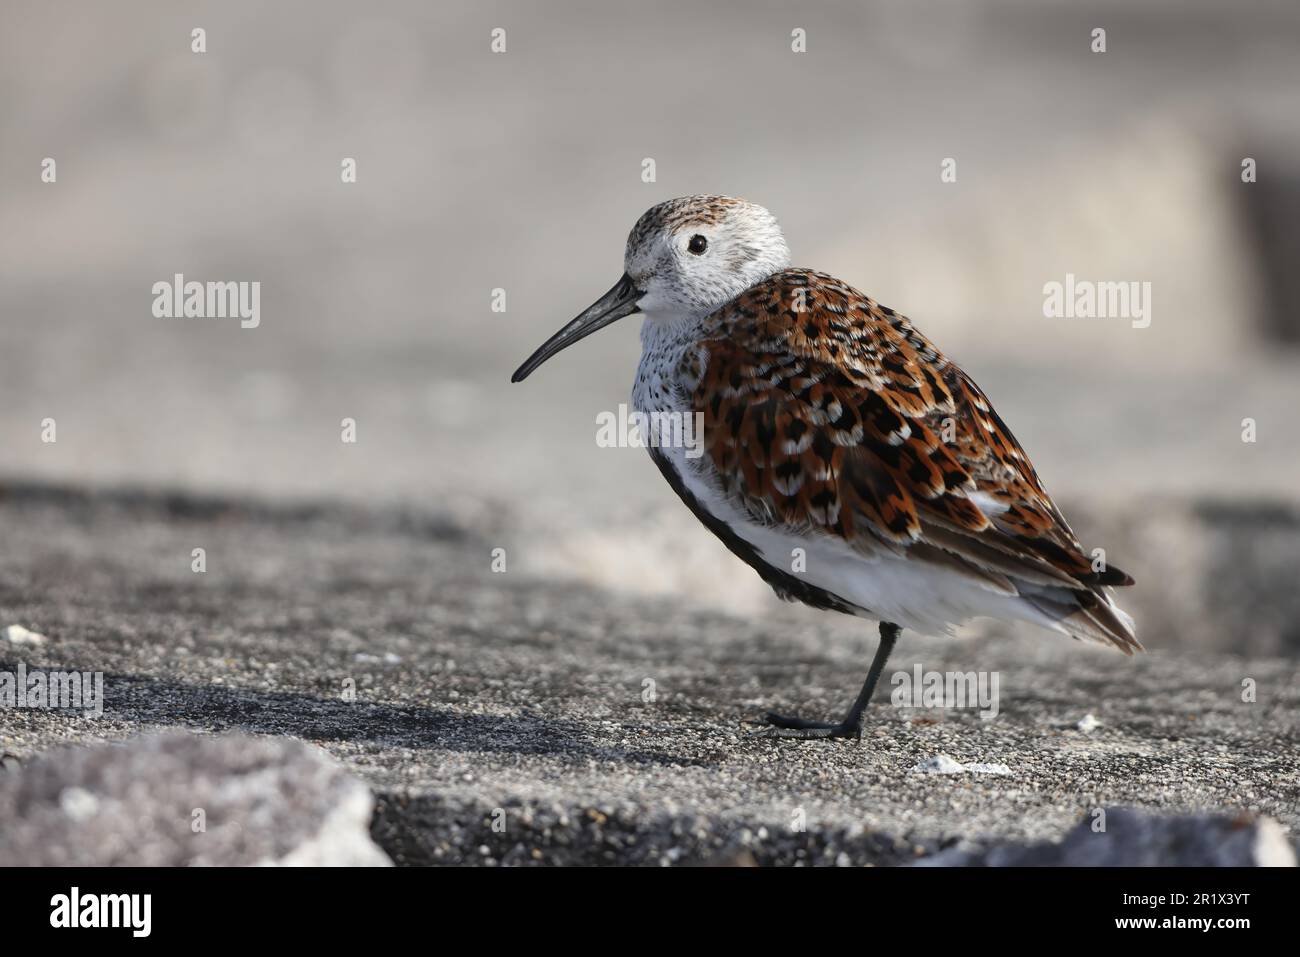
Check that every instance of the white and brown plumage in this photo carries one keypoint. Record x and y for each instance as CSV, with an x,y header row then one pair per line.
x,y
832,425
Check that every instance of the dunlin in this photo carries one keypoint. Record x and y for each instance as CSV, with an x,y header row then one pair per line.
x,y
846,459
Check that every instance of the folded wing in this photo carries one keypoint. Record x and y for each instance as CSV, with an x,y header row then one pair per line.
x,y
826,411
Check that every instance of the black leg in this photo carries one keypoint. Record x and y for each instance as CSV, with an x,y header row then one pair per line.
x,y
851,726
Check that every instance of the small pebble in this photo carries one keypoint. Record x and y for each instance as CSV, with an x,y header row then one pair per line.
x,y
18,635
942,764
1088,723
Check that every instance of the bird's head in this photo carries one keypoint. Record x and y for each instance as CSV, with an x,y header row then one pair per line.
x,y
684,259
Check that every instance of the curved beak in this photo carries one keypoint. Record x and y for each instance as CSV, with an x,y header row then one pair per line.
x,y
614,305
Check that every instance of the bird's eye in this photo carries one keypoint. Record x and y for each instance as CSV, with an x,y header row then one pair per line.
x,y
697,245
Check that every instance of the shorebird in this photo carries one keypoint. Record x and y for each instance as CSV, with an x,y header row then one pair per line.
x,y
832,426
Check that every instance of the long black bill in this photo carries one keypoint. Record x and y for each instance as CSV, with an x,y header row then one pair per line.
x,y
615,304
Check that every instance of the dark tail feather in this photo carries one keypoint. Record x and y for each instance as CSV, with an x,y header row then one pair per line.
x,y
1087,616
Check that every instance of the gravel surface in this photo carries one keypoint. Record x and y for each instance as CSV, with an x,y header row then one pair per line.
x,y
502,718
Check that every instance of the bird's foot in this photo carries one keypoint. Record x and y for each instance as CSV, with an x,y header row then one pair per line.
x,y
799,729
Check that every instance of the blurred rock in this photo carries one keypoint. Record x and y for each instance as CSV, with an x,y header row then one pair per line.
x,y
1271,209
1137,839
181,799
1211,574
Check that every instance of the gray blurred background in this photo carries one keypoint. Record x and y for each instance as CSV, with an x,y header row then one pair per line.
x,y
522,171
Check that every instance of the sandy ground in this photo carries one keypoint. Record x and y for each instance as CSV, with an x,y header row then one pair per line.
x,y
485,698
